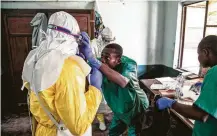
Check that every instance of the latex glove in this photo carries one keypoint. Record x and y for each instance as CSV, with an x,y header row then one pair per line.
x,y
85,47
81,55
198,84
86,50
96,78
196,87
164,103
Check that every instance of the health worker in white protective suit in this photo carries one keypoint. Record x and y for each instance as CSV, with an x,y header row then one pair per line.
x,y
105,37
56,79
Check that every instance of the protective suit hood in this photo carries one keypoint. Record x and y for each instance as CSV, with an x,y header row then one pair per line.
x,y
107,34
43,65
106,37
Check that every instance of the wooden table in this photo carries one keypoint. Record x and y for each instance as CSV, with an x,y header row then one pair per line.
x,y
186,123
148,83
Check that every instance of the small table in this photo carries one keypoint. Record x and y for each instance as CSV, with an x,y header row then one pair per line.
x,y
146,84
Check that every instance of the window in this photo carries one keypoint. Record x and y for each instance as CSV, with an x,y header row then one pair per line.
x,y
198,20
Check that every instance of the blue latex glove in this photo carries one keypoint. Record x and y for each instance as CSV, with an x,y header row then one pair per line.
x,y
81,55
196,87
164,103
96,78
86,50
198,84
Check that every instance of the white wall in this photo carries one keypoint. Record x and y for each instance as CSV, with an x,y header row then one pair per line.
x,y
139,26
47,5
171,14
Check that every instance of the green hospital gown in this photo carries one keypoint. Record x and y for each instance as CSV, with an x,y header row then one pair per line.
x,y
126,102
207,101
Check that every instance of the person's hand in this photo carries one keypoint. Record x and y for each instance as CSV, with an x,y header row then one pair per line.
x,y
96,78
164,103
86,50
81,55
198,84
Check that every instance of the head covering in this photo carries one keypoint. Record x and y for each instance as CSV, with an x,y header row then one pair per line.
x,y
99,26
107,34
43,65
106,37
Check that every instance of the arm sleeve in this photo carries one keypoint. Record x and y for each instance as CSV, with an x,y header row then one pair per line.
x,y
130,73
207,100
76,108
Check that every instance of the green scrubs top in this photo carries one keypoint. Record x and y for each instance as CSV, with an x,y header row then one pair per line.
x,y
126,102
207,101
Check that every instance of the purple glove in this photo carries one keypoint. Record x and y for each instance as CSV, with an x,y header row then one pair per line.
x,y
96,78
198,84
86,50
81,55
164,103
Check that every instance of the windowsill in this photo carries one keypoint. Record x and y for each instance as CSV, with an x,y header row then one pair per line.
x,y
185,70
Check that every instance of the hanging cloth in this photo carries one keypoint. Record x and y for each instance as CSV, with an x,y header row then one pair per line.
x,y
39,22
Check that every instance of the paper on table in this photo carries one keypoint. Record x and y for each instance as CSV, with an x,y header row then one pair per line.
x,y
186,102
158,86
168,82
186,73
165,79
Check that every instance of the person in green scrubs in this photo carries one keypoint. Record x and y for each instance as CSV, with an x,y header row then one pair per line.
x,y
128,103
120,88
204,109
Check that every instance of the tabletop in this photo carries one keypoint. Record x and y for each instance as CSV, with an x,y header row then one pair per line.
x,y
170,93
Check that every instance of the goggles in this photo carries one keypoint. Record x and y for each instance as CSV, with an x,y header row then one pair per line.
x,y
64,30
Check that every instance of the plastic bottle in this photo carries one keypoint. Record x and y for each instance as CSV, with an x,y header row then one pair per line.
x,y
179,84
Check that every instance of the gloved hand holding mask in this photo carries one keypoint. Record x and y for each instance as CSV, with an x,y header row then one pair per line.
x,y
86,50
96,78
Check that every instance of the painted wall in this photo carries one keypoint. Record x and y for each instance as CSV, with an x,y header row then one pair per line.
x,y
47,5
145,29
138,26
171,13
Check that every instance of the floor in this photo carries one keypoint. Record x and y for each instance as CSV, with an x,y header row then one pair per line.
x,y
16,125
19,125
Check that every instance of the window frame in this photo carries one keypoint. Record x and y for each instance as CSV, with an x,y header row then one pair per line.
x,y
182,30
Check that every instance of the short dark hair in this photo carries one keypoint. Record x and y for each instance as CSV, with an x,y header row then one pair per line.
x,y
117,47
209,42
